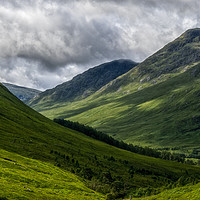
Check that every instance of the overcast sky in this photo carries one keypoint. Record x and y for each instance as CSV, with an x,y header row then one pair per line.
x,y
44,42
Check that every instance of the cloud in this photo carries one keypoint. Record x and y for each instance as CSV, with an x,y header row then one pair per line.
x,y
47,42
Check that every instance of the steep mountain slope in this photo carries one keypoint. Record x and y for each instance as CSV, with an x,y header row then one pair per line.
x,y
22,93
85,84
106,168
174,58
154,104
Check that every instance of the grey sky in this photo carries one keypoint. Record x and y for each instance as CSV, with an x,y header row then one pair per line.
x,y
44,42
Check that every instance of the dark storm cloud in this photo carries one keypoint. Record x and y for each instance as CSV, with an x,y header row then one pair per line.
x,y
47,42
58,35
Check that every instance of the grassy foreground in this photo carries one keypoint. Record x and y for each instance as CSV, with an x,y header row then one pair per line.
x,y
191,192
25,178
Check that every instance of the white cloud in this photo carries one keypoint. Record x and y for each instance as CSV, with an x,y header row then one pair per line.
x,y
42,39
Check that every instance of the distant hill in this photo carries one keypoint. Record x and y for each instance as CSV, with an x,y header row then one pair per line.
x,y
85,84
31,144
22,93
154,104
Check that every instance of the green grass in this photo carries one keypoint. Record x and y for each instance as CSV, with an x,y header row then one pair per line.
x,y
27,133
191,192
25,178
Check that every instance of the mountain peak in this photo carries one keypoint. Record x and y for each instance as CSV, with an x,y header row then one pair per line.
x,y
191,36
191,33
85,84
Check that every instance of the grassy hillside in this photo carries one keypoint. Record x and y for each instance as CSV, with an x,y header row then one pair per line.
x,y
22,93
154,104
191,192
25,178
105,168
166,114
85,84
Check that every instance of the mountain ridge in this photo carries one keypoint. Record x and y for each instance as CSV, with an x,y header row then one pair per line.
x,y
169,59
85,84
21,92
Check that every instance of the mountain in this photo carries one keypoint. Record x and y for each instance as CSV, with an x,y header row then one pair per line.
x,y
22,93
154,104
38,158
174,58
85,84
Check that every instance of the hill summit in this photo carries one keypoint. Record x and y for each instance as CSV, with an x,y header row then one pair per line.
x,y
85,84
